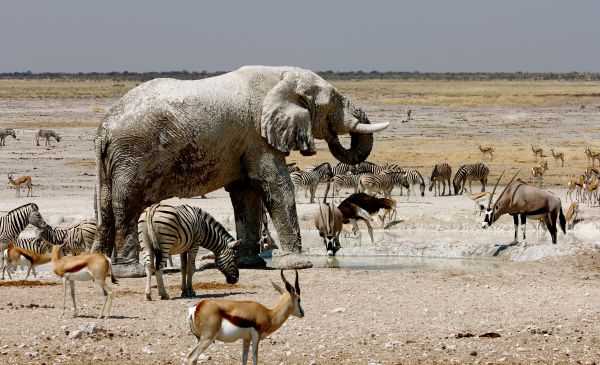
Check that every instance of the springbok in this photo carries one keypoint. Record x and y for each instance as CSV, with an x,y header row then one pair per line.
x,y
590,191
537,172
487,149
408,113
592,172
572,214
478,198
328,221
92,266
577,185
521,200
19,181
537,151
592,155
228,320
558,156
14,256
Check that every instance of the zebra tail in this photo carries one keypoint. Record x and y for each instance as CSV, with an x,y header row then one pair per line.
x,y
152,237
112,276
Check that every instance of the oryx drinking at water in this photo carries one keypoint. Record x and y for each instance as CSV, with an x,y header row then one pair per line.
x,y
521,201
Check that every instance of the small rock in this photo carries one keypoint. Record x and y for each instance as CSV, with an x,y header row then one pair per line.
x,y
75,335
473,353
288,353
147,350
338,310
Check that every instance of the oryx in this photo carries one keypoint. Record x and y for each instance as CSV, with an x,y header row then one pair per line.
x,y
521,201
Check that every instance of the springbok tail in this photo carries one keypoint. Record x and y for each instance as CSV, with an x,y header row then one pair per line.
x,y
112,276
562,220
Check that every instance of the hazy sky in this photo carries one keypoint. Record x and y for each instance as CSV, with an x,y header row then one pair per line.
x,y
418,35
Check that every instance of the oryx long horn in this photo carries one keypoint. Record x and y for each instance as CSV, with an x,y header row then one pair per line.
x,y
503,191
297,284
493,191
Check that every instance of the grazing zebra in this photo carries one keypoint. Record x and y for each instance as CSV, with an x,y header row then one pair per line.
x,y
291,167
75,240
413,177
369,167
345,181
343,169
5,133
477,171
310,179
440,174
164,230
47,134
14,222
381,183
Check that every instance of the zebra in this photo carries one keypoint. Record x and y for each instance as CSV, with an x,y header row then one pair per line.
x,y
47,134
383,183
14,222
413,177
75,240
310,179
440,174
5,133
33,244
291,167
345,181
343,169
164,230
470,172
369,167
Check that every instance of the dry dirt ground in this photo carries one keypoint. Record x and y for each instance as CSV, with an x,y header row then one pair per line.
x,y
533,303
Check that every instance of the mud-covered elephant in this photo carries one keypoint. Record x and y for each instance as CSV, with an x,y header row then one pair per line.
x,y
168,138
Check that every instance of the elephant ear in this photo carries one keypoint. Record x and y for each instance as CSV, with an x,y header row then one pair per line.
x,y
286,120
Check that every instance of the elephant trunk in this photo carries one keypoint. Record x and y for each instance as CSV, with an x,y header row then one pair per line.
x,y
361,133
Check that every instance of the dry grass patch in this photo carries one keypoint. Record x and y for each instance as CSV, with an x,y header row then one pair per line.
x,y
49,89
28,283
48,124
83,164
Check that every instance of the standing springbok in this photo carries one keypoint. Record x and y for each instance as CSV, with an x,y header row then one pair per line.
x,y
558,156
572,214
5,133
478,198
19,181
328,221
537,173
408,113
487,149
228,321
590,191
537,151
577,185
14,256
92,266
47,134
521,200
592,155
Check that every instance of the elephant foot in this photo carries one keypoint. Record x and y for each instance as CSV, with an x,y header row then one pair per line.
x,y
188,294
164,297
251,262
289,260
133,270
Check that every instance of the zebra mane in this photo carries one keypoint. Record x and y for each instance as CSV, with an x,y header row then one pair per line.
x,y
33,206
319,166
215,225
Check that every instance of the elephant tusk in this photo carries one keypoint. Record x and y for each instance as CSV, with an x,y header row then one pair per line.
x,y
368,128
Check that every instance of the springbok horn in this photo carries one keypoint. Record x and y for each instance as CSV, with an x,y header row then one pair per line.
x,y
287,284
297,284
368,128
503,191
493,191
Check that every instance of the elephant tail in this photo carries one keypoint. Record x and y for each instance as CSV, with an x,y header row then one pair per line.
x,y
152,236
98,149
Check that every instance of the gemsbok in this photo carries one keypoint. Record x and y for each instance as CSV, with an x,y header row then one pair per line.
x,y
92,266
20,181
521,200
487,149
328,221
558,156
537,173
228,320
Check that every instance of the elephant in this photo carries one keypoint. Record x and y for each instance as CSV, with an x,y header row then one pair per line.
x,y
182,138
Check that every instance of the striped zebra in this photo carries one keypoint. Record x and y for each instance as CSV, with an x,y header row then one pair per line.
x,y
164,230
14,222
75,240
477,171
381,183
413,177
47,134
440,174
343,169
291,167
369,167
5,133
310,179
345,181
33,244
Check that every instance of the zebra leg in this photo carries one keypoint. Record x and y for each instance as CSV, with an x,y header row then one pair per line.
x,y
160,284
148,291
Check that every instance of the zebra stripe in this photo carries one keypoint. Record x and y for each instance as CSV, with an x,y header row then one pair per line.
x,y
14,222
383,183
342,169
165,230
440,174
76,240
345,181
34,244
47,134
310,179
369,167
413,177
470,172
